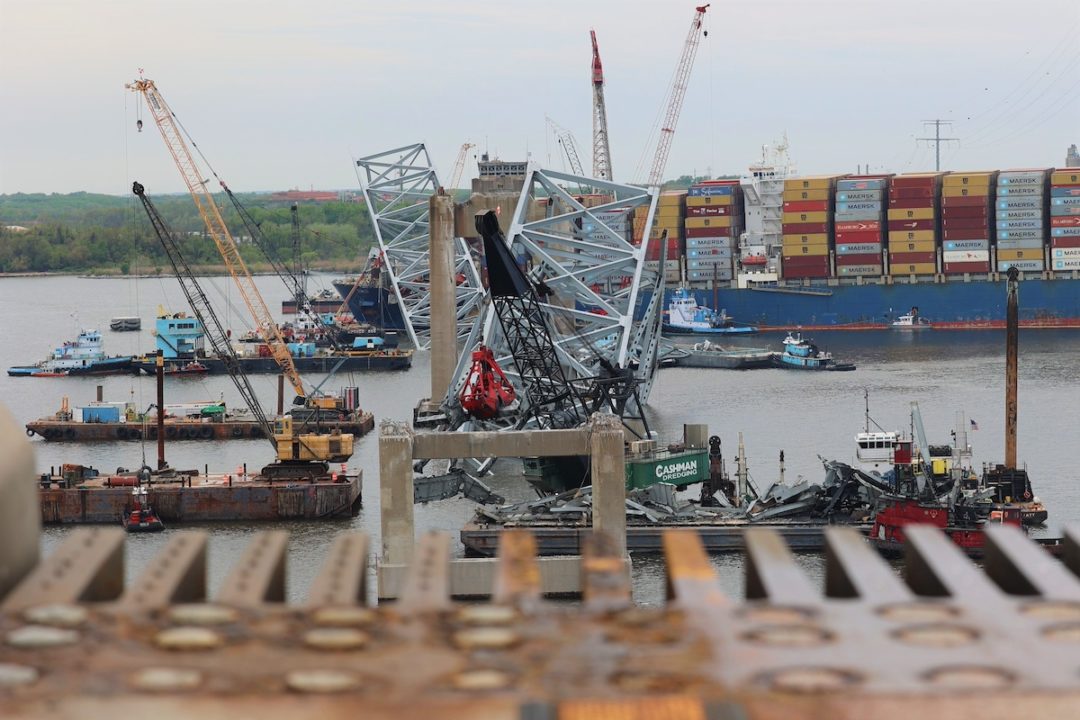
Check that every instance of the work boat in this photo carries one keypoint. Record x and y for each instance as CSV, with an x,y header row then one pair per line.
x,y
685,316
911,321
800,354
82,356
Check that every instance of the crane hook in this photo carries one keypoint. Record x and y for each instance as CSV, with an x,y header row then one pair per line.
x,y
138,124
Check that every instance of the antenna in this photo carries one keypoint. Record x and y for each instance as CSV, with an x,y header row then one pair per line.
x,y
937,139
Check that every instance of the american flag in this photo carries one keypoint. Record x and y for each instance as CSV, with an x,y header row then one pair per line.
x,y
974,425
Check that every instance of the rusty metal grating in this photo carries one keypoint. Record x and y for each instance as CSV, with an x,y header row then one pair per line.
x,y
949,639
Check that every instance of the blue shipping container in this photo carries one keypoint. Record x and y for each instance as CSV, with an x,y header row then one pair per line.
x,y
1034,234
1020,203
860,196
1065,232
711,190
864,184
1065,191
1026,244
1020,190
101,413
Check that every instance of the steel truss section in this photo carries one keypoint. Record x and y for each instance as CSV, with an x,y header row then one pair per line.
x,y
397,186
589,278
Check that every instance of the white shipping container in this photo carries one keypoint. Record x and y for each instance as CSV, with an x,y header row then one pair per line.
x,y
1069,264
955,256
1062,253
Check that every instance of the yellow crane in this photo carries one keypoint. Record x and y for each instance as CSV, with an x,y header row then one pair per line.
x,y
215,225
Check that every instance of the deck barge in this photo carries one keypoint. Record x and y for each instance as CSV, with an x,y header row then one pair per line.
x,y
190,497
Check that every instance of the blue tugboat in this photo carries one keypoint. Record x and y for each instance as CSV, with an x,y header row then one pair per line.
x,y
82,356
686,317
800,354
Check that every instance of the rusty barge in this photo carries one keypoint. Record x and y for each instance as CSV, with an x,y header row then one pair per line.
x,y
53,429
77,495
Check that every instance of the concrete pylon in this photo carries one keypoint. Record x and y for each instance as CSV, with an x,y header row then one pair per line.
x,y
608,478
396,492
443,295
20,516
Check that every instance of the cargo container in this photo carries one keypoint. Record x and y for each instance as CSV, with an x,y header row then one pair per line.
x,y
859,270
1065,176
985,233
966,223
927,268
966,201
707,232
709,210
1070,221
861,236
916,236
806,239
897,225
819,182
1065,265
1019,191
957,245
1022,265
972,212
875,182
805,217
858,248
859,226
1060,232
1065,191
806,261
712,190
1060,253
913,246
806,228
965,267
1022,254
860,259
803,250
1024,244
798,195
706,222
920,212
794,206
1071,241
907,258
964,256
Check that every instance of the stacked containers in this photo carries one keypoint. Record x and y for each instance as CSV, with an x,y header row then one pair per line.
x,y
670,211
807,226
966,221
1020,213
714,221
913,223
859,222
1065,220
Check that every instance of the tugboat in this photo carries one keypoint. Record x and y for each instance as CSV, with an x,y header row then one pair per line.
x,y
192,368
800,354
686,317
82,356
141,517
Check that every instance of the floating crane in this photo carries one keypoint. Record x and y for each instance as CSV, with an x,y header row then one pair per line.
x,y
459,165
172,134
601,151
298,456
675,96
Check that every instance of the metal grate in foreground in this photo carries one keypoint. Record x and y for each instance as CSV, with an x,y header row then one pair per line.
x,y
948,640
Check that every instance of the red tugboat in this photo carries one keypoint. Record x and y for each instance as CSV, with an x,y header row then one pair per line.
x,y
141,517
965,525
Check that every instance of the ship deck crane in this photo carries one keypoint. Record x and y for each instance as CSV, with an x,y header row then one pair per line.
x,y
601,158
298,456
676,93
172,134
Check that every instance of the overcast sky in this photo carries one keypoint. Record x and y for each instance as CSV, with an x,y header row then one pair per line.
x,y
283,94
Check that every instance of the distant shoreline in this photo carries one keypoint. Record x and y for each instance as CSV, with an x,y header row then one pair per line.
x,y
212,271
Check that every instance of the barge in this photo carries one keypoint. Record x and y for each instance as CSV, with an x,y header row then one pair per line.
x,y
229,429
78,495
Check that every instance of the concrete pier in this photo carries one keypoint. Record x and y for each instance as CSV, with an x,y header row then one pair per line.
x,y
608,479
396,491
443,294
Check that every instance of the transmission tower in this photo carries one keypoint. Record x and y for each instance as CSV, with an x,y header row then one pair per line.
x,y
937,139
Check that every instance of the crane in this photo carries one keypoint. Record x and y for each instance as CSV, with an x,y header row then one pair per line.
x,y
298,263
569,146
172,134
601,151
679,83
298,456
459,165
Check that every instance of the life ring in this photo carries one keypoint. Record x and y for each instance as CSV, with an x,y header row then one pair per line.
x,y
237,431
206,433
69,433
29,432
1027,494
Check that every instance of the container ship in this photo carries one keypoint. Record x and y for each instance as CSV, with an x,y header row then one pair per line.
x,y
860,251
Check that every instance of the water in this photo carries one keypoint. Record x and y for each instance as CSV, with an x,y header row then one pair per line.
x,y
805,414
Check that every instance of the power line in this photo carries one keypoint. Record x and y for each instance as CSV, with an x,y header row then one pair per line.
x,y
937,139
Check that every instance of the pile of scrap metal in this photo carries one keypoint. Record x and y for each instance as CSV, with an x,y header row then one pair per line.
x,y
845,494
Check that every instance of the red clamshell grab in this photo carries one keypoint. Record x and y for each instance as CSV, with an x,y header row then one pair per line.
x,y
486,390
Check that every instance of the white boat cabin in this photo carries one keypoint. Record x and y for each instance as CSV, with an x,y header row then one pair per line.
x,y
876,449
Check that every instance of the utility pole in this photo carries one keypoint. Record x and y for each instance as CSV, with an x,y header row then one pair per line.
x,y
937,139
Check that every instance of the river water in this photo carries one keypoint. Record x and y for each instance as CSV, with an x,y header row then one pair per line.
x,y
803,414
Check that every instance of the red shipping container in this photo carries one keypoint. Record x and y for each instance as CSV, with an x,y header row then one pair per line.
x,y
806,206
911,203
910,258
806,274
806,261
1067,221
911,194
966,267
1065,242
862,236
900,182
911,225
979,233
965,212
860,259
857,225
708,232
710,210
964,223
805,228
968,201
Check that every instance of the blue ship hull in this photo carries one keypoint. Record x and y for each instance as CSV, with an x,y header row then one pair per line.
x,y
375,306
949,305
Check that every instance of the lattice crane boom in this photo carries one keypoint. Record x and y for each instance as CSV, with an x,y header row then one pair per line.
x,y
565,138
459,165
675,97
601,158
215,225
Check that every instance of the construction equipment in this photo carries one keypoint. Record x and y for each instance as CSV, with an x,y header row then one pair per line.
x,y
298,456
601,151
566,141
675,97
459,165
486,391
172,134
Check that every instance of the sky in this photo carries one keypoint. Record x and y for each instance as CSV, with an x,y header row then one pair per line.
x,y
281,94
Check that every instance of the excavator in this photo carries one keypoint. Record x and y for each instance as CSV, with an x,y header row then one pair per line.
x,y
300,456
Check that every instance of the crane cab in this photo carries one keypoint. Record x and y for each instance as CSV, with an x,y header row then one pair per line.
x,y
309,447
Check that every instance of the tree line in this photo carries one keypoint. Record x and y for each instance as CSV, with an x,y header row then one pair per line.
x,y
84,232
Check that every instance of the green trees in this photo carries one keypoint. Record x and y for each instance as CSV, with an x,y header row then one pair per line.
x,y
82,232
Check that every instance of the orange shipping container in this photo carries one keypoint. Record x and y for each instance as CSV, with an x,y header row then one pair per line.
x,y
917,246
808,250
913,269
708,200
806,239
920,213
804,217
905,236
702,222
796,195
